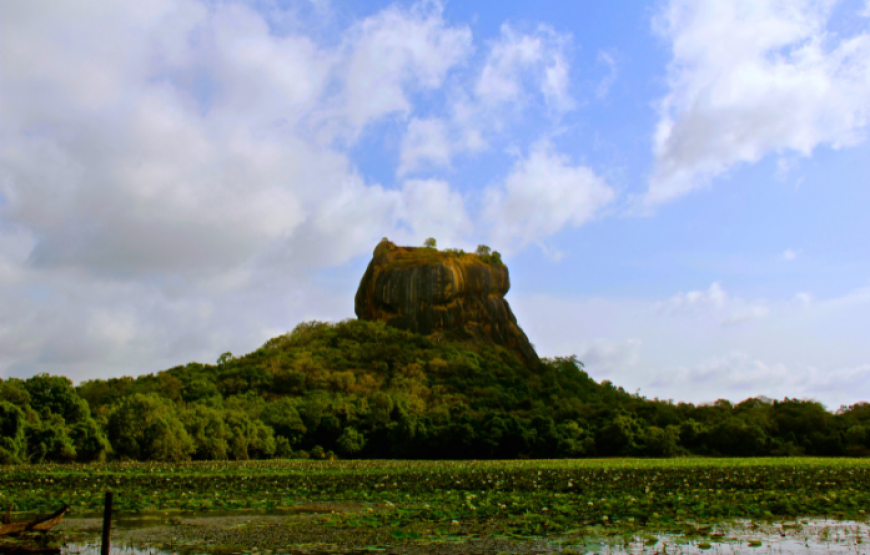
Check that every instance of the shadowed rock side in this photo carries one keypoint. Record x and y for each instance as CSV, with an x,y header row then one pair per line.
x,y
430,292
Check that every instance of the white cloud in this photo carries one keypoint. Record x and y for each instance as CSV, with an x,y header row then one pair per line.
x,y
603,88
142,177
175,175
715,296
556,82
395,49
745,376
789,255
518,57
739,372
500,79
432,209
15,247
716,303
785,165
518,69
425,141
686,347
543,194
553,254
122,164
747,313
166,191
784,83
263,77
609,357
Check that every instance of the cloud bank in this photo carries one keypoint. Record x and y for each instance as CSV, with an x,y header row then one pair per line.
x,y
707,344
176,176
752,78
179,178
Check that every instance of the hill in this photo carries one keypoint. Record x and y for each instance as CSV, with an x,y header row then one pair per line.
x,y
437,367
364,389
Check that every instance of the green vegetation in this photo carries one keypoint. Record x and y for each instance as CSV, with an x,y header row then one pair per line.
x,y
455,507
488,255
360,389
429,254
521,497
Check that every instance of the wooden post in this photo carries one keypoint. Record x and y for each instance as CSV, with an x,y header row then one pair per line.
x,y
107,523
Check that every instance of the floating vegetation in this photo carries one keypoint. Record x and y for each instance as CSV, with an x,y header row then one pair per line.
x,y
522,497
270,535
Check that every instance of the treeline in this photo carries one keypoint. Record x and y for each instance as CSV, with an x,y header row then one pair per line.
x,y
363,390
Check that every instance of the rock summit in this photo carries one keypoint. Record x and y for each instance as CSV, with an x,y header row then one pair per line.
x,y
442,294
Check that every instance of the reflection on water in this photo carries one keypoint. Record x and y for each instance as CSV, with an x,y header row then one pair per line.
x,y
94,549
780,538
805,537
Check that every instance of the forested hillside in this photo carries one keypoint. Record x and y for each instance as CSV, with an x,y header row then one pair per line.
x,y
360,389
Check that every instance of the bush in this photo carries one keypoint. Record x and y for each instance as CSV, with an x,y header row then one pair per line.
x,y
147,427
283,449
47,440
351,441
208,431
11,433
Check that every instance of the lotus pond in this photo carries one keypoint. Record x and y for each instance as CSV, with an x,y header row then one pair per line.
x,y
583,506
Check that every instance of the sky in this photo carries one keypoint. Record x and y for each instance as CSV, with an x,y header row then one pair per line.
x,y
680,188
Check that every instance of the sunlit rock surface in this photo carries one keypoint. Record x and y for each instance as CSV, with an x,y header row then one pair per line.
x,y
441,294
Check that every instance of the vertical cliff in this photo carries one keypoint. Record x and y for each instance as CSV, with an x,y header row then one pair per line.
x,y
427,291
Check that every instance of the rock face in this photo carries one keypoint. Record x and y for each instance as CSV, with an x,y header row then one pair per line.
x,y
429,292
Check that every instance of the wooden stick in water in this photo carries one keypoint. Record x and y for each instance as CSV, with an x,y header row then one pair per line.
x,y
107,523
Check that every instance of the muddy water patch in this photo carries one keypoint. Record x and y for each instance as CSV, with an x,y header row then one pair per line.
x,y
288,535
738,537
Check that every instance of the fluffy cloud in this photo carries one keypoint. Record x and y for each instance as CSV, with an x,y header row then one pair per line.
x,y
518,57
176,175
715,302
542,194
746,376
750,78
170,181
394,49
610,357
709,344
431,209
121,165
518,71
609,61
714,297
425,140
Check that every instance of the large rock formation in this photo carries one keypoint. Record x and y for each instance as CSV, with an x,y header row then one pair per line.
x,y
457,295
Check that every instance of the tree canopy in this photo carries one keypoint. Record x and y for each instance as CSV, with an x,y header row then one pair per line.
x,y
359,389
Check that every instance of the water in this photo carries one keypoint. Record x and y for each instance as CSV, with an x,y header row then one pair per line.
x,y
789,538
780,538
94,549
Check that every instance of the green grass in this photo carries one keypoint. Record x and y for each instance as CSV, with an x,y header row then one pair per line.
x,y
523,497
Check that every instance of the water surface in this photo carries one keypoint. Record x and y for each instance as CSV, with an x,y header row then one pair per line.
x,y
738,537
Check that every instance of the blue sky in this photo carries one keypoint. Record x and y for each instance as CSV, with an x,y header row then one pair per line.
x,y
679,187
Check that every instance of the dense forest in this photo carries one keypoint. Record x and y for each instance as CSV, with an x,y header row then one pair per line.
x,y
359,389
